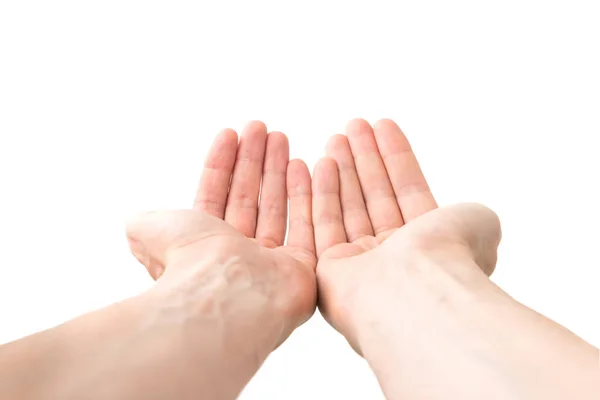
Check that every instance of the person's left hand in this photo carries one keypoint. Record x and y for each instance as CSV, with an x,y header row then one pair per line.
x,y
233,238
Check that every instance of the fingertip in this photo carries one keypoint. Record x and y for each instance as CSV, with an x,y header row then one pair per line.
x,y
278,137
298,163
390,137
255,127
361,139
325,176
324,165
336,143
298,167
278,143
227,136
298,178
224,144
357,126
386,123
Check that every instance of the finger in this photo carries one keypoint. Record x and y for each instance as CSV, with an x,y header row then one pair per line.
x,y
211,195
242,202
272,210
410,186
354,210
376,187
327,210
301,231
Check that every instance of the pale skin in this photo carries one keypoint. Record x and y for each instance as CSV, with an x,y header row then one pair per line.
x,y
404,281
407,284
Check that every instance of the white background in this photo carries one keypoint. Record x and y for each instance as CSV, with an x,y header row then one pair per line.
x,y
107,108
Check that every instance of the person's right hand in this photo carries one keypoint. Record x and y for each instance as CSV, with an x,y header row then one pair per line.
x,y
230,247
376,221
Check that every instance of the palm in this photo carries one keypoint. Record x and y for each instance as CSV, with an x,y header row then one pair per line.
x,y
364,244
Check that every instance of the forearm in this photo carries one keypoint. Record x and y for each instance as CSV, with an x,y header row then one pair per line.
x,y
447,337
81,355
162,344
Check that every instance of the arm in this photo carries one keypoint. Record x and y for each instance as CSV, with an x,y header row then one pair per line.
x,y
470,341
167,343
406,283
228,290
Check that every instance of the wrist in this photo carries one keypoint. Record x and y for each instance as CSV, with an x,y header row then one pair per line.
x,y
415,290
226,298
448,322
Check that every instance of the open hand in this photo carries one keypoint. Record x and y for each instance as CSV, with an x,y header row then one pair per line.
x,y
374,215
235,232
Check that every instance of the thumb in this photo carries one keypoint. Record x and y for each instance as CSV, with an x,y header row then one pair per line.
x,y
153,235
475,228
479,227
